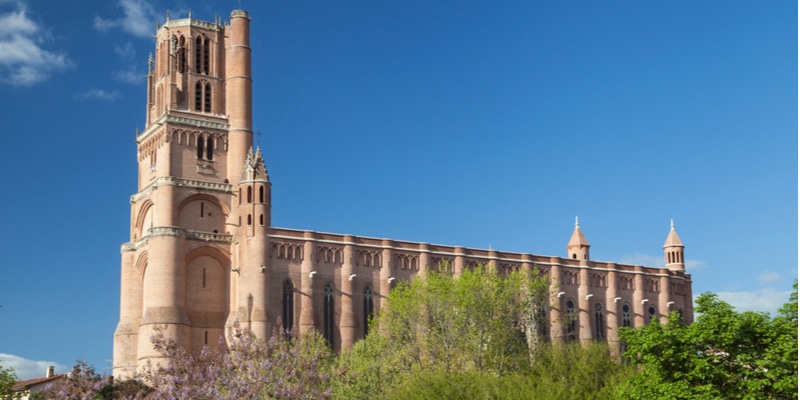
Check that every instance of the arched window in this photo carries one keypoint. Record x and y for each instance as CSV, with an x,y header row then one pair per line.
x,y
200,147
206,54
574,256
210,148
651,313
288,306
240,195
198,97
261,219
570,320
328,325
249,194
368,308
249,220
181,54
626,315
207,105
198,55
261,194
598,321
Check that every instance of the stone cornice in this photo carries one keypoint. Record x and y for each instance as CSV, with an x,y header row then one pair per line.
x,y
174,181
178,23
174,119
175,231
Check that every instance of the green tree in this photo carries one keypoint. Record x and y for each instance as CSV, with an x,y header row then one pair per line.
x,y
475,321
723,354
7,380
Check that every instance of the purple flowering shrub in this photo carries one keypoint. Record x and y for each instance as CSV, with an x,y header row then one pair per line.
x,y
246,367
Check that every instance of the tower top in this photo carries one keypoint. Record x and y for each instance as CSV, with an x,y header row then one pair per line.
x,y
577,239
672,238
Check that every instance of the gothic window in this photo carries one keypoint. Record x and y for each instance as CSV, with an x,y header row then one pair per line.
x,y
368,308
210,148
626,315
198,55
202,213
207,105
181,54
288,306
328,307
570,320
261,194
249,194
651,313
200,147
261,220
249,220
206,53
598,321
198,97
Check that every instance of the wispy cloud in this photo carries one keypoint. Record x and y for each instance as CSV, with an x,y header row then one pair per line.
x,y
23,59
768,277
643,259
767,299
27,369
649,260
98,94
138,18
129,73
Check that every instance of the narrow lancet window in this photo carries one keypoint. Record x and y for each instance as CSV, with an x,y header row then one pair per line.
x,y
328,325
207,106
570,320
288,306
198,97
598,321
200,148
368,308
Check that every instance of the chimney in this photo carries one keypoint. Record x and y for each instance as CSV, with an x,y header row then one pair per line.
x,y
51,370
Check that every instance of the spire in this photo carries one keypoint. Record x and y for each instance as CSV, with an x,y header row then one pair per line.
x,y
578,246
672,239
254,167
577,239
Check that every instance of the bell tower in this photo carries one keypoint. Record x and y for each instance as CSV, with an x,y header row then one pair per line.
x,y
188,266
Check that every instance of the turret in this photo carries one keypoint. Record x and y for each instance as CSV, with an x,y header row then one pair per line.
x,y
673,250
252,246
578,247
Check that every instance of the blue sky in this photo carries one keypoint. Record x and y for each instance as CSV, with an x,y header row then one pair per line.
x,y
474,123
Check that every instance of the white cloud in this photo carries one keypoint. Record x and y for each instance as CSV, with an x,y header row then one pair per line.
x,y
767,299
129,76
27,369
768,277
127,55
99,94
23,59
139,18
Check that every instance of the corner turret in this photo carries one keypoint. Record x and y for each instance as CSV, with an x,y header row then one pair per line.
x,y
673,250
578,246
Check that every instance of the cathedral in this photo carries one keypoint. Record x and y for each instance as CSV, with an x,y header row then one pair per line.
x,y
203,255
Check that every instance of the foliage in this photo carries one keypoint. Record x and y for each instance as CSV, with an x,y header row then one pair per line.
x,y
567,371
724,354
473,322
469,337
7,380
280,368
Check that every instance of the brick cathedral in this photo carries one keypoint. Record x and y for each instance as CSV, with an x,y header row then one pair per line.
x,y
202,252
